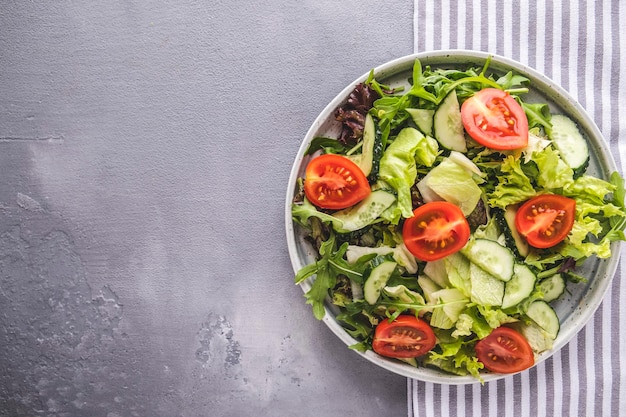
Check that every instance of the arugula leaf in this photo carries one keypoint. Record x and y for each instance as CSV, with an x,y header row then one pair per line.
x,y
326,269
328,145
510,80
538,115
302,211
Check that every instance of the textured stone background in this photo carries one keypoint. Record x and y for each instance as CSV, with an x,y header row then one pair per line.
x,y
144,155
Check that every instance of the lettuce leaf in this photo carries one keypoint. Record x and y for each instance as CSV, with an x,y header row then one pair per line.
x,y
554,173
600,217
453,183
513,185
457,358
398,166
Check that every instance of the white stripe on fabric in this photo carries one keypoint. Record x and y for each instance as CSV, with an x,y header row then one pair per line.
x,y
557,44
509,408
460,398
507,41
523,40
477,26
490,25
493,399
557,370
476,405
430,407
577,44
445,18
574,386
461,27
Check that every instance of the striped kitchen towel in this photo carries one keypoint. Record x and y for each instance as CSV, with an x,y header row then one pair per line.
x,y
580,44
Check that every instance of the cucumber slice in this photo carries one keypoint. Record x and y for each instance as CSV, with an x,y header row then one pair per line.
x,y
520,243
541,313
363,213
377,280
492,257
552,287
448,125
485,289
570,143
367,150
423,119
537,338
519,287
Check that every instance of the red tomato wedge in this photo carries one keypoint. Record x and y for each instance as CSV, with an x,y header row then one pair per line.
x,y
545,220
437,229
505,351
405,337
494,119
335,182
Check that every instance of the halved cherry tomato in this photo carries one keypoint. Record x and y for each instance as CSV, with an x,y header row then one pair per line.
x,y
494,119
437,229
405,337
505,351
545,220
335,182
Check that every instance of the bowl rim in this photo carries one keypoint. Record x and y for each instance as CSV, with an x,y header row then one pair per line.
x,y
442,57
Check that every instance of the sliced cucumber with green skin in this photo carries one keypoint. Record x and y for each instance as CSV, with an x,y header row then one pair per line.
x,y
545,317
377,280
520,243
552,287
492,257
519,287
485,288
367,150
423,119
447,124
570,143
537,338
363,213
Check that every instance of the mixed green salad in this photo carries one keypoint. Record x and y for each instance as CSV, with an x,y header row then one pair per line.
x,y
447,217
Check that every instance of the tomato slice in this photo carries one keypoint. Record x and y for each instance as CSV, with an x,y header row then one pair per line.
x,y
335,182
545,220
437,229
494,119
405,337
505,351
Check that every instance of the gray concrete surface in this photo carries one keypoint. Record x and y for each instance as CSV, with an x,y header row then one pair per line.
x,y
144,153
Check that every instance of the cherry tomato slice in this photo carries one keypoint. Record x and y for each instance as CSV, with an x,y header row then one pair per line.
x,y
436,230
505,351
494,119
405,337
545,220
335,182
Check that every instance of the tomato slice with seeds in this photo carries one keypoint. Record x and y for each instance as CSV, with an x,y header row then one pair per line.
x,y
505,351
405,337
335,182
436,230
545,220
494,119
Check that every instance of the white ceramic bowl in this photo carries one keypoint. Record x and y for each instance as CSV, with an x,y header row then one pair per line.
x,y
579,303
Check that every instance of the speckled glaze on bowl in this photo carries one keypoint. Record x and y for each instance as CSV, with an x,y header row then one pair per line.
x,y
577,305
